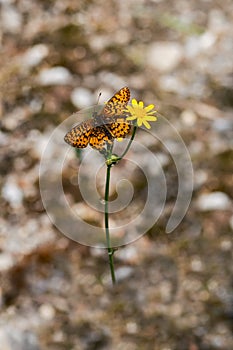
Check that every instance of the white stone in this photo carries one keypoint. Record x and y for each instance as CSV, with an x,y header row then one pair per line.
x,y
200,176
128,254
171,84
123,273
35,55
226,245
131,327
55,76
213,201
13,338
12,192
207,40
47,311
196,264
81,97
164,56
198,44
11,19
188,117
222,125
3,139
6,261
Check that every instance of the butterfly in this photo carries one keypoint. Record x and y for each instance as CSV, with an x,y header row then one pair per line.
x,y
104,127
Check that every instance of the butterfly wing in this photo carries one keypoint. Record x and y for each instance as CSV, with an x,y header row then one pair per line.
x,y
119,128
113,114
79,136
99,137
117,104
114,125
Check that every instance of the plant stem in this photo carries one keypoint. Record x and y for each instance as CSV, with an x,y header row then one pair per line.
x,y
106,201
129,144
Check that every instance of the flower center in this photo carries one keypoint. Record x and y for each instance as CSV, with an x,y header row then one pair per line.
x,y
139,112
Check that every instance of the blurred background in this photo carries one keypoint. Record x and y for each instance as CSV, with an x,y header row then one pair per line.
x,y
174,291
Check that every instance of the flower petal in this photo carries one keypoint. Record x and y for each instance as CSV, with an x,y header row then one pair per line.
x,y
134,102
140,104
150,118
147,125
130,109
149,108
139,121
132,117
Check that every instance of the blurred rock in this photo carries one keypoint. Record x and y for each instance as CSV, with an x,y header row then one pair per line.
x,y
3,139
223,125
34,55
11,18
171,83
164,56
213,201
6,261
81,97
12,338
132,327
217,21
196,264
197,44
12,193
123,273
47,312
13,119
200,176
129,254
188,117
54,76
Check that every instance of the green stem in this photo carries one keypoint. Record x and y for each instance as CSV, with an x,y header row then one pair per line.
x,y
109,247
109,162
129,144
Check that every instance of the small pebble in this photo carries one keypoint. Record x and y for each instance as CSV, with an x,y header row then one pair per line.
x,y
164,56
223,125
12,338
12,193
11,19
131,327
6,261
47,312
81,98
35,55
196,264
188,117
213,201
55,76
123,273
128,254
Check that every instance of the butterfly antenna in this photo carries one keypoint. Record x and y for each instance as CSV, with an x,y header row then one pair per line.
x,y
98,99
96,104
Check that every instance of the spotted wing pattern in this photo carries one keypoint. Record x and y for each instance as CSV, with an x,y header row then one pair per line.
x,y
101,129
117,104
79,136
99,137
114,111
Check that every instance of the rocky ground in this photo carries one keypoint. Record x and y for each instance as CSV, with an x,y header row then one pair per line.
x,y
174,290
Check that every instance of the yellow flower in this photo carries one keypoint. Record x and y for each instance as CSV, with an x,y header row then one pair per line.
x,y
141,114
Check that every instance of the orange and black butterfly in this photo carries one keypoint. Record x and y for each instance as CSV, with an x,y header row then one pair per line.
x,y
103,127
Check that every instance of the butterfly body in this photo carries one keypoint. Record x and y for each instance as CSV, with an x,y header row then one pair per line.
x,y
109,124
